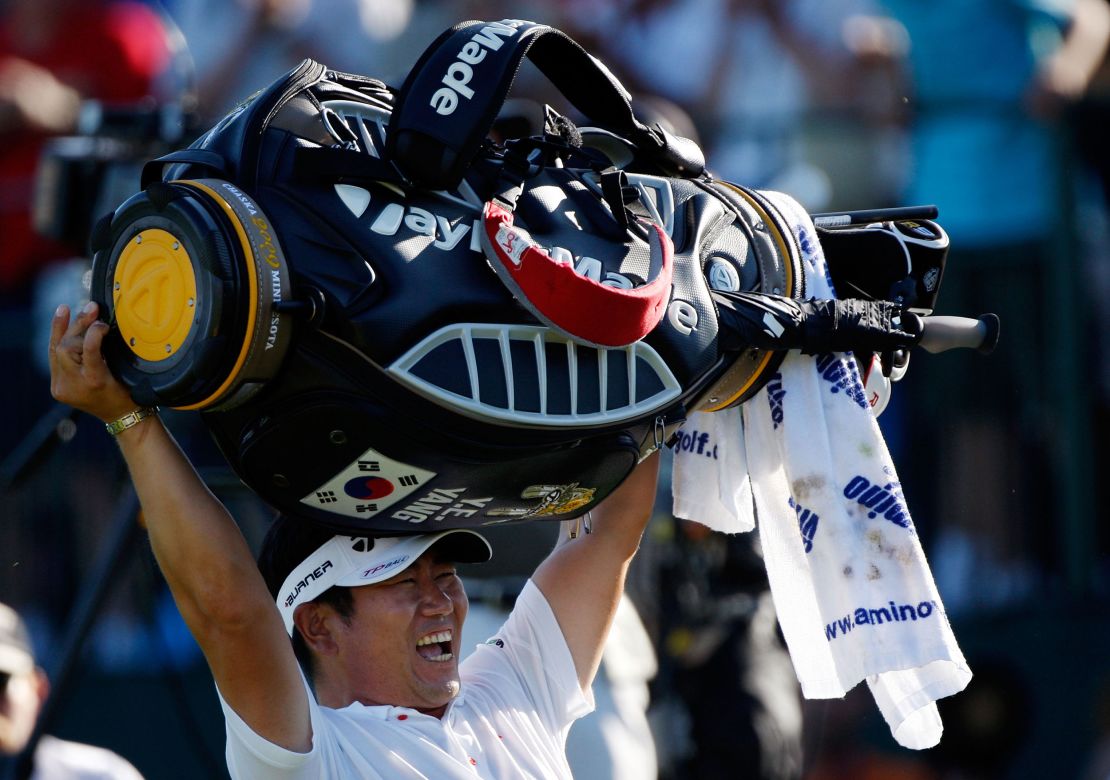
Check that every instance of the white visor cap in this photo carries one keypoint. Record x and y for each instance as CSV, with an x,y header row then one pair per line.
x,y
354,560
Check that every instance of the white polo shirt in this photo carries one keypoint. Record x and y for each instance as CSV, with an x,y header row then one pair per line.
x,y
519,697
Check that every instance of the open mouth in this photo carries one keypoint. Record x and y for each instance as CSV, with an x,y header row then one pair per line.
x,y
435,647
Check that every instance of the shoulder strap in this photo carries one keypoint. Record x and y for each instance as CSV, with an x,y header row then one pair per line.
x,y
451,97
213,162
232,149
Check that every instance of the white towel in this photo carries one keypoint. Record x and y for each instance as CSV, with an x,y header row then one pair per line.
x,y
711,465
853,591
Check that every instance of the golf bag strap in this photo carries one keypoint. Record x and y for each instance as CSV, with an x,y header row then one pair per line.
x,y
451,97
213,162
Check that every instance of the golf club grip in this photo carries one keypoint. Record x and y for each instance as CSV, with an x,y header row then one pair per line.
x,y
943,333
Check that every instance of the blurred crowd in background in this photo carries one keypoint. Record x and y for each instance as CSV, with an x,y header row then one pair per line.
x,y
994,110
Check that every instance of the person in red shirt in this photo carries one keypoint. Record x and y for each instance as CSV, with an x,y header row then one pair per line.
x,y
53,55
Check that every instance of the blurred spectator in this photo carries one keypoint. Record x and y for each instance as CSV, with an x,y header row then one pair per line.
x,y
723,663
241,46
753,74
987,725
838,747
725,701
1092,115
1091,118
53,55
989,80
23,690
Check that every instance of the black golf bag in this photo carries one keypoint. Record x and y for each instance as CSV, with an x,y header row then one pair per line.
x,y
391,323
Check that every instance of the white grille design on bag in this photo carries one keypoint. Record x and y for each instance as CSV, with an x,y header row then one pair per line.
x,y
535,376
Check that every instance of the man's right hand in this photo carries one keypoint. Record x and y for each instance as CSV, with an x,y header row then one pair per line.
x,y
79,374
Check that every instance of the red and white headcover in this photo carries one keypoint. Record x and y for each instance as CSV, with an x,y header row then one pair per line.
x,y
586,310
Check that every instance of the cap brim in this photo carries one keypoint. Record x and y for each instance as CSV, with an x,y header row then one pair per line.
x,y
461,545
458,545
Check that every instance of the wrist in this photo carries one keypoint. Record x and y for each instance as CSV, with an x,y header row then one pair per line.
x,y
130,419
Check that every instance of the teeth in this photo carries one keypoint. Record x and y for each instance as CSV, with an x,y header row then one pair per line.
x,y
431,639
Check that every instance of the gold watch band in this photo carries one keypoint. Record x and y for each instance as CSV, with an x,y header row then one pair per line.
x,y
130,419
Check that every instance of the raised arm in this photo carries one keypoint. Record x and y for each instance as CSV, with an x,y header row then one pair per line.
x,y
583,578
200,550
1064,76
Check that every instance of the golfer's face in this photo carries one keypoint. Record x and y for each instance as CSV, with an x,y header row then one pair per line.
x,y
408,630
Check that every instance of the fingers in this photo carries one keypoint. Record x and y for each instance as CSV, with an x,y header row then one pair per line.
x,y
79,372
66,335
87,315
58,327
69,342
96,367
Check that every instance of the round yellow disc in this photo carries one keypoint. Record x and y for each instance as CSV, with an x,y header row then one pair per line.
x,y
154,294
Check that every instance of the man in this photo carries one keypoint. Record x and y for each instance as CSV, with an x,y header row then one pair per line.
x,y
390,697
23,689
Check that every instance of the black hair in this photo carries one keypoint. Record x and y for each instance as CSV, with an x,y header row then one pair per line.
x,y
288,542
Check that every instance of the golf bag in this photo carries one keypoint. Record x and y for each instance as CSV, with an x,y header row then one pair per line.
x,y
391,323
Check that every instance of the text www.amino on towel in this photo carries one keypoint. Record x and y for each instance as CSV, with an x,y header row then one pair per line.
x,y
894,613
